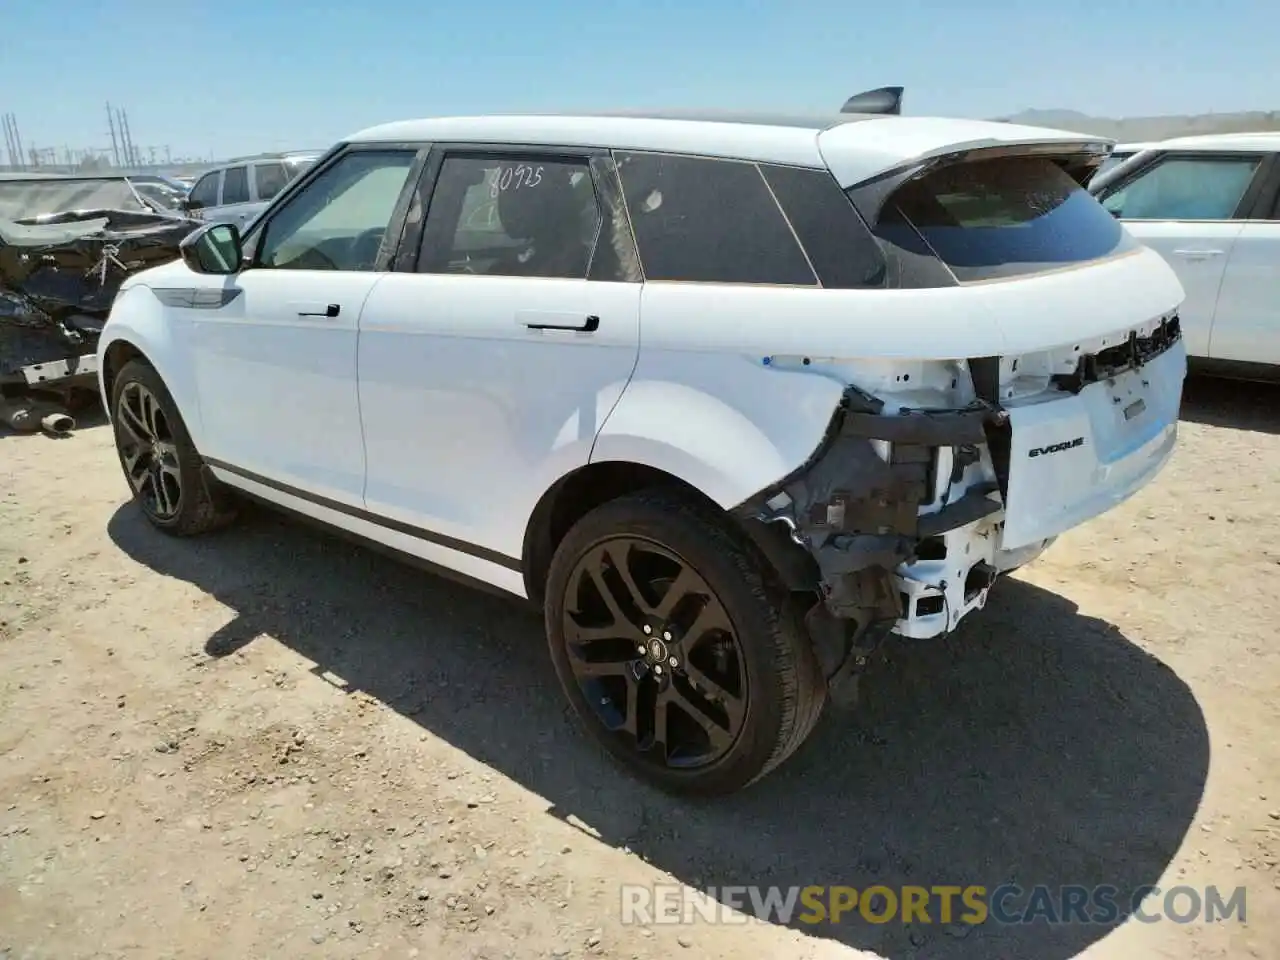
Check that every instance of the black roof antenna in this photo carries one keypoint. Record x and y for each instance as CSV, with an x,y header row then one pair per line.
x,y
886,100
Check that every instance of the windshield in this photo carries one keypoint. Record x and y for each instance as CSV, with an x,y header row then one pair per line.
x,y
32,196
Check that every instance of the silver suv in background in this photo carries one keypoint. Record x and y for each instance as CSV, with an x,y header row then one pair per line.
x,y
238,191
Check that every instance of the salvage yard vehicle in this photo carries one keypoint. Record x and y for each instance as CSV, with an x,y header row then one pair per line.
x,y
240,190
731,398
1211,206
66,242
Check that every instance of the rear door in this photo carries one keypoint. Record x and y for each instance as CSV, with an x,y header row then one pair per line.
x,y
1187,207
237,201
1246,328
491,357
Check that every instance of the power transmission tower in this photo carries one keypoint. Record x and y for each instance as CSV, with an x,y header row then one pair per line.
x,y
13,140
131,151
111,125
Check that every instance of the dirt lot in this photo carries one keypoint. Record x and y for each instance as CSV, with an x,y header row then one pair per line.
x,y
272,744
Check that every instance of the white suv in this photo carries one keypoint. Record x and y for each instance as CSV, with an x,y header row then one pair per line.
x,y
728,398
1211,206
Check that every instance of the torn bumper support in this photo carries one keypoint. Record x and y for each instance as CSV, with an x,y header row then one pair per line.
x,y
855,505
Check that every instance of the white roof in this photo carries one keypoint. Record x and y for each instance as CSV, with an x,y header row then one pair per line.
x,y
854,146
1260,140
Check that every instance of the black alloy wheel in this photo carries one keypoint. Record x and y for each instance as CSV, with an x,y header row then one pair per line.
x,y
677,645
654,652
166,475
148,452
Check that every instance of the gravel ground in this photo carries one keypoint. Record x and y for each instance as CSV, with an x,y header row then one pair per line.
x,y
269,743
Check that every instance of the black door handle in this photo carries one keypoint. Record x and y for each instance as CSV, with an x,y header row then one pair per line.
x,y
589,325
332,310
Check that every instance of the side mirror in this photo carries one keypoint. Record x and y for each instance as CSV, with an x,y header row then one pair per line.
x,y
214,249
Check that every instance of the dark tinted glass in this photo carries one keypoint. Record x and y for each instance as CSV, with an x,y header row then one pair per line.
x,y
270,179
1001,217
511,217
205,192
840,246
338,221
713,221
235,186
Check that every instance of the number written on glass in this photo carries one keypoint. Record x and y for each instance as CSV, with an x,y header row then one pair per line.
x,y
518,177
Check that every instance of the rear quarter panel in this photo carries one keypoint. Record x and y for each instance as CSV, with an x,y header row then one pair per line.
x,y
735,386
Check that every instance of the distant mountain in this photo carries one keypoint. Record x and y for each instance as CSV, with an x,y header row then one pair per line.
x,y
1137,129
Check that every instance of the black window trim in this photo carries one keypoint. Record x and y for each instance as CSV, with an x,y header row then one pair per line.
x,y
598,161
1267,209
1251,205
386,254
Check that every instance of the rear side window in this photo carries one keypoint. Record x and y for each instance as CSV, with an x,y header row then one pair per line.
x,y
1001,217
840,246
710,221
235,185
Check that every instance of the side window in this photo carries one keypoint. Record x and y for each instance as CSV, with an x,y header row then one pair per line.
x,y
269,178
511,217
235,186
714,221
1185,188
205,192
337,221
840,245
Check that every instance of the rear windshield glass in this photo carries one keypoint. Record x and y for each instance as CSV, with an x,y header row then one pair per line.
x,y
1002,217
31,196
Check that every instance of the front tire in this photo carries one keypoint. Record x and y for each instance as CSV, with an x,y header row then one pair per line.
x,y
161,465
676,646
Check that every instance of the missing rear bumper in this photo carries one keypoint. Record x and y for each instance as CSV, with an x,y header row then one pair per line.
x,y
855,506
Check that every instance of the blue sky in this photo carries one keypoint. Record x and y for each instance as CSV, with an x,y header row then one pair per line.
x,y
238,76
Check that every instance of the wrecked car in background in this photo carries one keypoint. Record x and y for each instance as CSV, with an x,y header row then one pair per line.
x,y
66,244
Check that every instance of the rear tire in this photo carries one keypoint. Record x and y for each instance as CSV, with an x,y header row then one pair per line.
x,y
707,646
164,471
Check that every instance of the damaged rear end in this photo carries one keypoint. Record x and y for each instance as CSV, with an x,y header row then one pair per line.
x,y
937,474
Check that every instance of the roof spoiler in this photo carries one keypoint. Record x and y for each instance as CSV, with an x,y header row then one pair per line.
x,y
884,100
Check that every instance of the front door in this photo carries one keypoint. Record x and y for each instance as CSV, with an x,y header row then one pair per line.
x,y
275,366
490,359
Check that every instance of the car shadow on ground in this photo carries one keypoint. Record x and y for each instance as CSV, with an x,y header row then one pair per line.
x,y
1037,746
1236,404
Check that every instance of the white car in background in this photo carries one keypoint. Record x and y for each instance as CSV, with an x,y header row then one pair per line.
x,y
240,190
1211,206
1121,153
729,397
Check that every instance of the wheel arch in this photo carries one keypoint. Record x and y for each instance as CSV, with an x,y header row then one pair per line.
x,y
139,328
114,356
577,493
